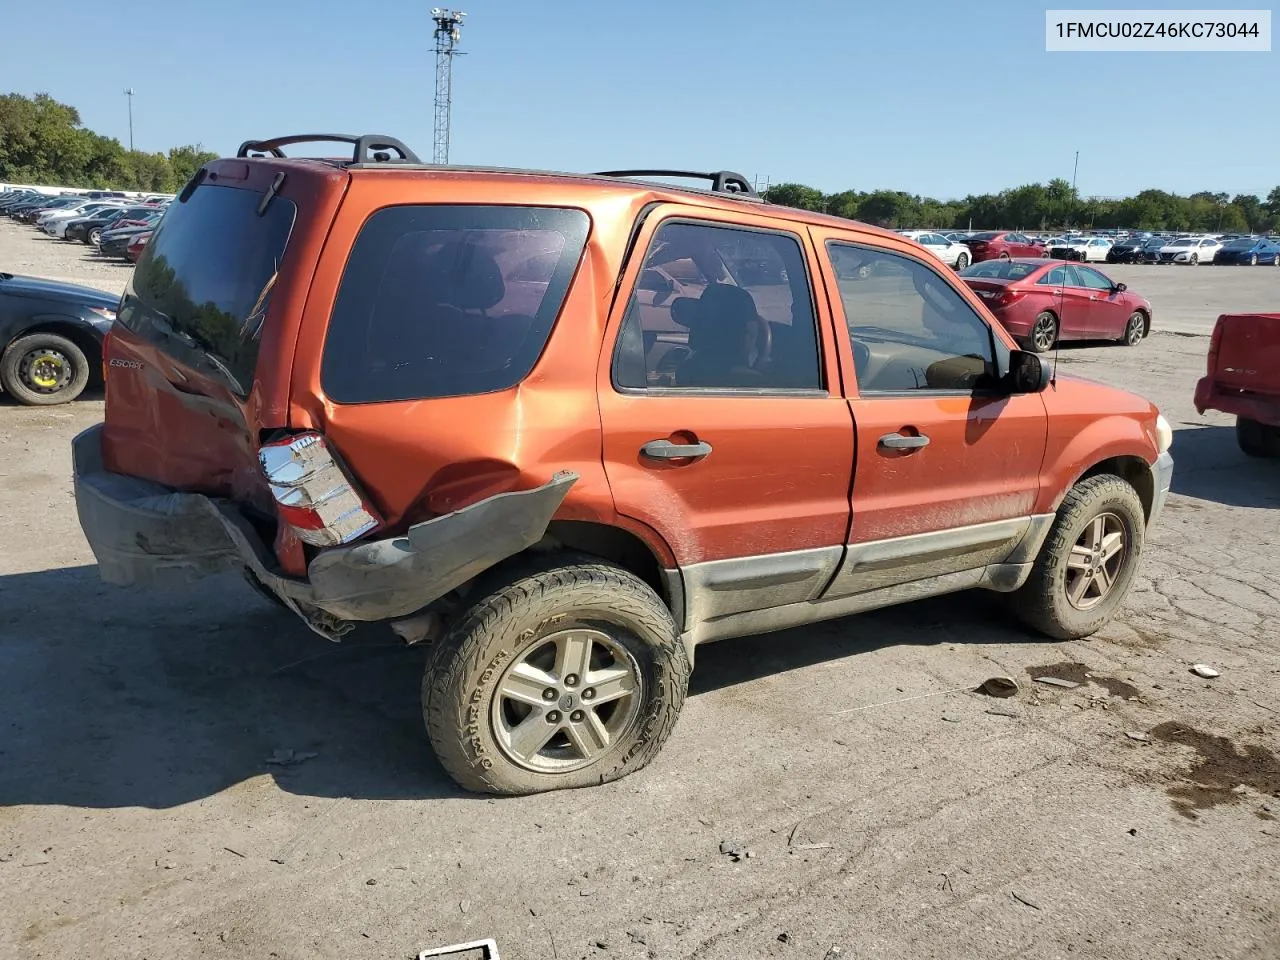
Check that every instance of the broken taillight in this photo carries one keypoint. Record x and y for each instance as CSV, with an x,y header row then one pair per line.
x,y
313,494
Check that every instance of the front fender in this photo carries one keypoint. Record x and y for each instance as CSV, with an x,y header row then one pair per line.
x,y
1068,458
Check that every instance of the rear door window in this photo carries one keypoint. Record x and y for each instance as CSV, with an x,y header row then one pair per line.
x,y
203,284
446,301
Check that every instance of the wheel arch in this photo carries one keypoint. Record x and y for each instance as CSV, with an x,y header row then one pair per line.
x,y
1133,470
624,548
75,330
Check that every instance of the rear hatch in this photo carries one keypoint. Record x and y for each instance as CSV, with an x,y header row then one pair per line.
x,y
198,364
1247,354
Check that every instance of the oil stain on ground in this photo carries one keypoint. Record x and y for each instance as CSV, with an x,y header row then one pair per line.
x,y
1220,769
1080,673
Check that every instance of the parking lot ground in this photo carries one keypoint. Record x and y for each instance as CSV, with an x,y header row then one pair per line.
x,y
888,809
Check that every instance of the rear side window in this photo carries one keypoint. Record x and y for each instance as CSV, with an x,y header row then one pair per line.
x,y
446,301
202,286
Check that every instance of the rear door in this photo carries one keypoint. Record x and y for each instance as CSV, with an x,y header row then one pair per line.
x,y
1075,319
947,469
733,444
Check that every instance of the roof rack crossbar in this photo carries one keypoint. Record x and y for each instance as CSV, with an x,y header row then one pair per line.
x,y
370,146
722,181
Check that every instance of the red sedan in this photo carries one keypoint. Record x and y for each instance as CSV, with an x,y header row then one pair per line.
x,y
134,250
999,245
1043,301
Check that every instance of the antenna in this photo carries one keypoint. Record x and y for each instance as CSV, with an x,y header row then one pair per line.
x,y
448,36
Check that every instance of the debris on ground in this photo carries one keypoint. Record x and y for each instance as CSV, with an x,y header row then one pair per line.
x,y
1204,670
834,953
1003,712
602,944
1057,682
1023,900
784,937
288,758
488,947
734,849
635,936
1138,735
999,687
951,717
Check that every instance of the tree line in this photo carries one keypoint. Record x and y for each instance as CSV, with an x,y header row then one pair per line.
x,y
43,141
1039,207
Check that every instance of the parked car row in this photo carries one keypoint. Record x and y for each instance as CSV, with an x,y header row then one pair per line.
x,y
1121,247
117,227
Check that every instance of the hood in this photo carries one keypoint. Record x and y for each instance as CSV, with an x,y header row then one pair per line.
x,y
53,290
1081,394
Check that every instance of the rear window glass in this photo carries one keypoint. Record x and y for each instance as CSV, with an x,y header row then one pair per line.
x,y
446,301
1000,270
202,286
989,235
1240,244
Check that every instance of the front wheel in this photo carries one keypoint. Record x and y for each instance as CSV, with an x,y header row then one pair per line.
x,y
1193,259
1257,439
1004,256
1087,564
93,237
1135,329
1253,260
42,369
568,672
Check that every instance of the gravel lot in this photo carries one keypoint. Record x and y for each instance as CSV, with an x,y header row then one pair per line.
x,y
888,811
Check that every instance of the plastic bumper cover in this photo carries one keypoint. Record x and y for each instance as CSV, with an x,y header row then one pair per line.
x,y
1162,474
146,534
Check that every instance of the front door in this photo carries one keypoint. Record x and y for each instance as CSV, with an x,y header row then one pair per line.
x,y
724,427
1108,310
947,471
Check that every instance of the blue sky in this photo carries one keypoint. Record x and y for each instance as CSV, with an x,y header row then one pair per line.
x,y
937,98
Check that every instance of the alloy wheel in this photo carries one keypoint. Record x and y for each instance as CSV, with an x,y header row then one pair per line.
x,y
1133,332
1096,560
563,703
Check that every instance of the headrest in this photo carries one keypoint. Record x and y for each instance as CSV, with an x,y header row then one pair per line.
x,y
464,276
720,304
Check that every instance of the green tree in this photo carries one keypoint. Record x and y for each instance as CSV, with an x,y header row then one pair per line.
x,y
795,195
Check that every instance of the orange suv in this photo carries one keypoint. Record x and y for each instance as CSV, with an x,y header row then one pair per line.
x,y
568,427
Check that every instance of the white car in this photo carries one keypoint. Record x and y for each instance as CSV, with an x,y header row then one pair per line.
x,y
1084,249
56,224
1190,250
948,251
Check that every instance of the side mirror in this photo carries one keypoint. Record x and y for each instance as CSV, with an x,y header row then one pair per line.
x,y
1119,287
1028,373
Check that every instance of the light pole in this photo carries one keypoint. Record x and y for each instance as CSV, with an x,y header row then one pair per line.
x,y
128,92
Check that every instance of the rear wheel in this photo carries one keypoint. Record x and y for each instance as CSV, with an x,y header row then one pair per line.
x,y
1044,332
1253,260
568,672
1135,330
962,261
1258,439
1088,562
42,369
93,236
1004,256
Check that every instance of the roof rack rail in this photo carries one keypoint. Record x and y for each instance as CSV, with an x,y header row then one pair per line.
x,y
370,146
722,181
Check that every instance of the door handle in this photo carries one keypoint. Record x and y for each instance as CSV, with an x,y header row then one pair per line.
x,y
666,450
898,441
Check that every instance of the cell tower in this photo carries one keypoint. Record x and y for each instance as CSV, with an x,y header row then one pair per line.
x,y
448,36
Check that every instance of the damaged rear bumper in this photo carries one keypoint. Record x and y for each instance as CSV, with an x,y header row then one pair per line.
x,y
146,534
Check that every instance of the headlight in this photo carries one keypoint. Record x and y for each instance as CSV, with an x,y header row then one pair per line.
x,y
1164,434
109,315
